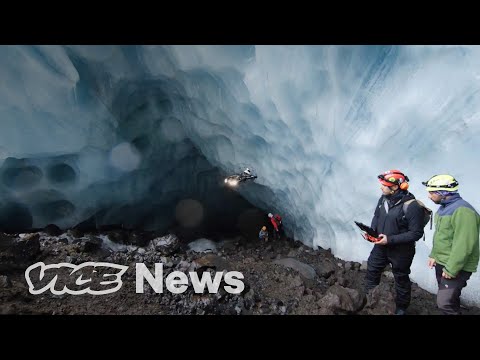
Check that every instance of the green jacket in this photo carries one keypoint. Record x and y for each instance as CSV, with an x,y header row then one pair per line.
x,y
456,237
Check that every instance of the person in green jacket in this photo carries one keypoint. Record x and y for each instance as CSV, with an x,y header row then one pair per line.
x,y
455,251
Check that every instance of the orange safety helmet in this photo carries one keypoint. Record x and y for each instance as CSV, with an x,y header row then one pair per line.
x,y
394,177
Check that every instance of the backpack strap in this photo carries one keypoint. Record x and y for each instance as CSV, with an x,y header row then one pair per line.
x,y
405,206
429,211
406,203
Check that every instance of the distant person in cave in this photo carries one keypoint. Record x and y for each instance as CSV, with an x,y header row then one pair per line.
x,y
263,234
276,221
398,233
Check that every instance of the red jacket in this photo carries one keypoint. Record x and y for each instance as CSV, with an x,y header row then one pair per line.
x,y
276,223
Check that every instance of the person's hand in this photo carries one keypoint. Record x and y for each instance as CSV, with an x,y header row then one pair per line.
x,y
445,275
431,262
383,240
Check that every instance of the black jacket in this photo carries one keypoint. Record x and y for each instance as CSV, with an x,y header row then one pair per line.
x,y
399,227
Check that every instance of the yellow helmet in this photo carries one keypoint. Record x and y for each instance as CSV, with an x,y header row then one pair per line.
x,y
441,182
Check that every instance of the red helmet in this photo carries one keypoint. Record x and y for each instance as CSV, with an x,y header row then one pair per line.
x,y
393,177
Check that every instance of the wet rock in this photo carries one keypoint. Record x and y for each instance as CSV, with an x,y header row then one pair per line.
x,y
165,245
380,300
139,239
5,282
27,248
341,281
292,253
102,253
304,269
6,241
184,266
213,261
52,230
249,295
63,240
341,299
167,263
91,244
202,245
248,260
28,236
75,233
325,268
8,309
388,274
296,244
281,287
118,236
228,245
326,311
78,241
331,280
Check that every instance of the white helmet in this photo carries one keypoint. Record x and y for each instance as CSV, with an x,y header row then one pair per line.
x,y
270,215
247,171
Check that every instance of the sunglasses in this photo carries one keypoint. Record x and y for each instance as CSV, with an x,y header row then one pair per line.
x,y
391,179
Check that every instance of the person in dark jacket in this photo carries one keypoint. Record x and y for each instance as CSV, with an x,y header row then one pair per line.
x,y
263,234
398,233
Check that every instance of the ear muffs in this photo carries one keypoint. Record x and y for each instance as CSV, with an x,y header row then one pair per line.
x,y
403,184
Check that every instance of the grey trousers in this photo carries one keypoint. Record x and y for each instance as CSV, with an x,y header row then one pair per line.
x,y
449,291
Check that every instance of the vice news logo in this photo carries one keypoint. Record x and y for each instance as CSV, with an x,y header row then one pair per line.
x,y
101,278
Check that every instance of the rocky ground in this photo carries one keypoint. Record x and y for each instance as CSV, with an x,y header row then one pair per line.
x,y
283,277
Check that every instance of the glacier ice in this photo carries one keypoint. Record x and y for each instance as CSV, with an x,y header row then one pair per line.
x,y
142,135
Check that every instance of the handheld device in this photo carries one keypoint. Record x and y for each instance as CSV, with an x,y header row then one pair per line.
x,y
372,235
